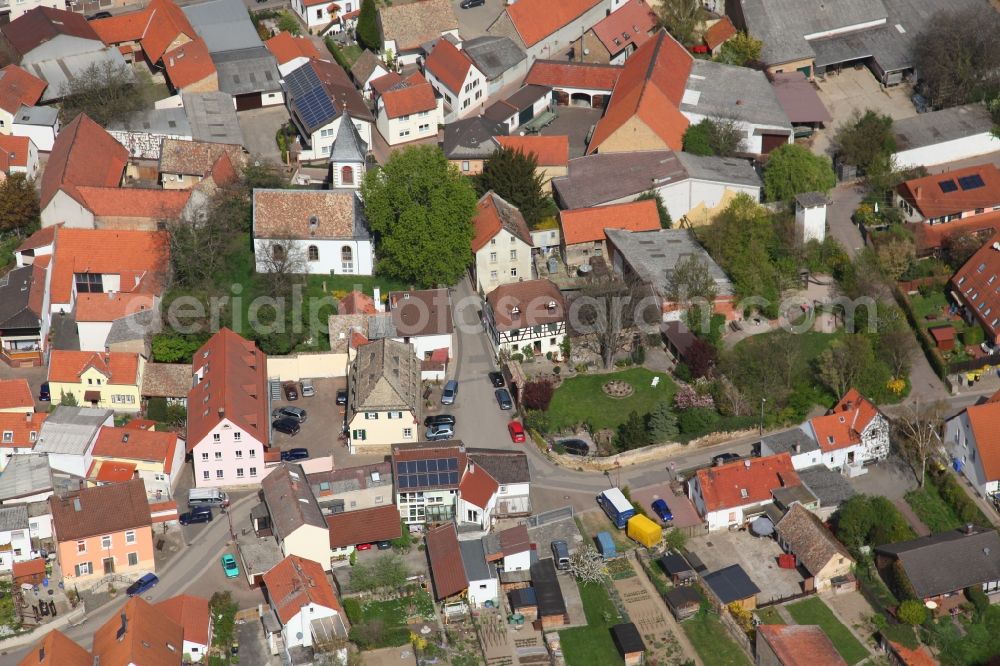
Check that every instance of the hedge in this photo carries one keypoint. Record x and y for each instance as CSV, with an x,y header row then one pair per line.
x,y
930,349
956,498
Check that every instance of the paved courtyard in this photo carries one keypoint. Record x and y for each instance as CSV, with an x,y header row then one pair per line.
x,y
757,556
574,122
259,129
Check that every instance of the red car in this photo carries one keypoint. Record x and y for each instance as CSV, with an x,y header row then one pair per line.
x,y
363,546
516,431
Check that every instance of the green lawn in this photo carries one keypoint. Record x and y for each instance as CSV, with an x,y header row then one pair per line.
x,y
592,645
711,642
580,399
814,611
394,614
335,284
926,502
769,616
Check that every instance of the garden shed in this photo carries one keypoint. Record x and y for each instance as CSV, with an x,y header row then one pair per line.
x,y
683,602
629,643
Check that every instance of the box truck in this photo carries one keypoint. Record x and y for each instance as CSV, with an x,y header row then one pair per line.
x,y
618,508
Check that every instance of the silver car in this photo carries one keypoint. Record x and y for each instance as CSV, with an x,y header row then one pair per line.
x,y
288,412
450,392
308,390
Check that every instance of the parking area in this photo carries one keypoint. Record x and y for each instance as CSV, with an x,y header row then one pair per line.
x,y
684,513
324,419
474,21
213,578
253,645
891,478
259,129
757,556
574,122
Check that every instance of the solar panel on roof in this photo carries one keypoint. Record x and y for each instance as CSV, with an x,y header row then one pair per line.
x,y
947,186
400,467
453,478
432,465
421,465
422,479
309,97
975,181
452,463
432,478
404,482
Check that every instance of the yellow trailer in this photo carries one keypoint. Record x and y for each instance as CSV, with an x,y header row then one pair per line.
x,y
644,530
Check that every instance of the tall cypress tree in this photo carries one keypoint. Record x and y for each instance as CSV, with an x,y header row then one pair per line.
x,y
367,30
511,174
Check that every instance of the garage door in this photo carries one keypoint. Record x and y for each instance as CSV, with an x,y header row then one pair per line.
x,y
525,115
245,102
771,141
562,97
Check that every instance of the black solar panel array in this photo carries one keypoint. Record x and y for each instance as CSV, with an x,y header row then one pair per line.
x,y
975,181
415,474
313,104
948,186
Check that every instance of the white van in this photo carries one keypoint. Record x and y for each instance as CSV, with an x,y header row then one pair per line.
x,y
207,497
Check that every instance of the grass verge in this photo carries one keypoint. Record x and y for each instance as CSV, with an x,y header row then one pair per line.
x,y
711,642
580,399
933,512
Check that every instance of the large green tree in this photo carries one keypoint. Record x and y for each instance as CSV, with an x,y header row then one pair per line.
x,y
958,56
512,175
864,139
367,31
792,169
713,136
740,50
680,18
420,209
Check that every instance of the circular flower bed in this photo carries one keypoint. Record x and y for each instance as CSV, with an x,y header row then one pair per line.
x,y
618,389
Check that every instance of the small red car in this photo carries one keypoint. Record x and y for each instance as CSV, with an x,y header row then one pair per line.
x,y
363,546
516,431
699,48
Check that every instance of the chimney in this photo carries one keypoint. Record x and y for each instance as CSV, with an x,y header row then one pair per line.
x,y
222,412
76,504
472,468
918,192
377,296
797,448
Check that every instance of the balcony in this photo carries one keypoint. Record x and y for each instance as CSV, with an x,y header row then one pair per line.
x,y
21,359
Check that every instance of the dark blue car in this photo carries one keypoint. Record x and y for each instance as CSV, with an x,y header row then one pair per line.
x,y
43,392
144,584
662,510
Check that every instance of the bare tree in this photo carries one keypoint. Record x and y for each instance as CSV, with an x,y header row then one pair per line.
x,y
587,566
107,92
680,18
727,136
609,309
281,260
918,430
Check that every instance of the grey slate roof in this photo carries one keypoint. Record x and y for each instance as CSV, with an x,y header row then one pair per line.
x,y
732,170
597,179
786,441
134,327
652,255
812,199
831,488
364,66
471,138
69,430
348,146
474,561
949,561
212,117
223,24
25,475
39,116
13,518
494,55
290,501
811,542
15,294
505,466
928,129
385,375
172,121
249,70
734,92
731,584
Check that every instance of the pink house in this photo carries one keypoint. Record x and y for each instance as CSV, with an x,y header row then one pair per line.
x,y
228,428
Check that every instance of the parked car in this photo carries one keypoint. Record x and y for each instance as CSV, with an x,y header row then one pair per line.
x,y
287,426
384,545
469,4
200,514
342,396
290,413
297,453
504,399
439,432
560,553
439,419
496,378
516,431
662,511
146,583
229,566
99,15
363,546
291,391
308,390
43,392
575,447
724,458
450,392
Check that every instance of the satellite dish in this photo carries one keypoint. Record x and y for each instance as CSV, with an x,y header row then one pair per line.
x,y
298,635
931,604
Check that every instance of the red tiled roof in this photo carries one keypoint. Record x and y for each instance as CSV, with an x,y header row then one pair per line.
x,y
134,444
552,150
121,28
801,645
133,202
535,20
942,333
650,88
13,152
493,213
120,368
111,306
921,656
356,302
42,24
587,225
477,486
102,510
942,194
150,639
167,22
19,87
296,582
985,423
109,471
191,613
532,298
188,64
71,162
29,568
237,391
449,65
350,528
41,238
629,24
140,424
746,481
447,569
25,430
931,237
56,648
843,426
559,74
16,393
136,255
286,48
416,96
384,82
720,32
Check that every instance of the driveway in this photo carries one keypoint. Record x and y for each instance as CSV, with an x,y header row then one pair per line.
x,y
473,22
891,478
574,122
259,129
253,645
